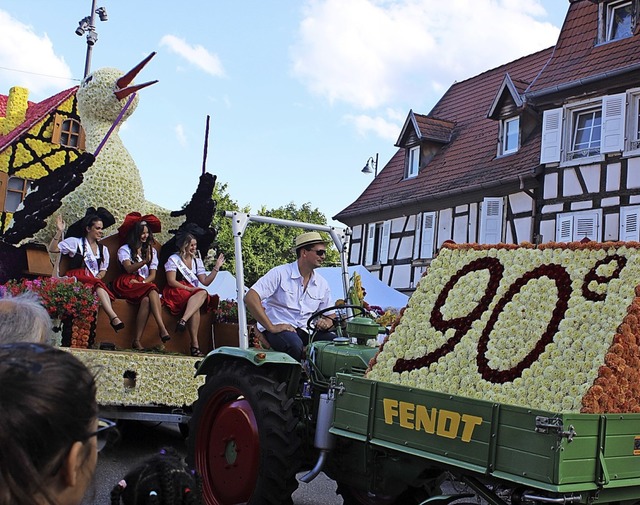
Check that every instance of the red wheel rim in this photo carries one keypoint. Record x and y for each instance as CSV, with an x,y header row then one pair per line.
x,y
227,450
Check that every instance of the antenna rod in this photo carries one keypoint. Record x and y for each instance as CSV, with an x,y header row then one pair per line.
x,y
206,146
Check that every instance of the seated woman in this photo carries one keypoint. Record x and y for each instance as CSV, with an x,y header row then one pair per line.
x,y
89,259
139,260
183,293
49,431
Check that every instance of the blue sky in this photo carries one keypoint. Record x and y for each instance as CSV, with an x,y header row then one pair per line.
x,y
300,92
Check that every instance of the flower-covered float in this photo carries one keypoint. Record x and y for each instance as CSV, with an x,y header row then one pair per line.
x,y
554,327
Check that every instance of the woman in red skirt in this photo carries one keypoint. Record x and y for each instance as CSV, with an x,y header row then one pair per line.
x,y
139,260
184,293
89,259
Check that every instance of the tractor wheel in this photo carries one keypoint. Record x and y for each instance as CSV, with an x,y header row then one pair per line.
x,y
352,496
242,437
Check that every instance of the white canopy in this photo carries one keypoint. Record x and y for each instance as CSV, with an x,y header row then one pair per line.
x,y
377,292
224,285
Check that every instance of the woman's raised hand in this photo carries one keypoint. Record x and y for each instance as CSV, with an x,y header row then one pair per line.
x,y
60,224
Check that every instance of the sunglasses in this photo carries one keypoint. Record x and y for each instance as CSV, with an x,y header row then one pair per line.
x,y
104,434
319,252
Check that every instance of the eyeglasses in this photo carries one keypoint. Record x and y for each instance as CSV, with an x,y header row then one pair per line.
x,y
319,252
104,434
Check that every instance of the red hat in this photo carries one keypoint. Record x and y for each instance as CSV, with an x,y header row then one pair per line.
x,y
132,219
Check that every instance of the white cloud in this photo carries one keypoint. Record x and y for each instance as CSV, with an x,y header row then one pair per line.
x,y
376,53
181,135
196,55
383,128
27,59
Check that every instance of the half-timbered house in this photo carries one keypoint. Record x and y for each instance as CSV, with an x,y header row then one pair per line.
x,y
544,148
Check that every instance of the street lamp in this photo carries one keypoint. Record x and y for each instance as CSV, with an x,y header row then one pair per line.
x,y
87,25
371,163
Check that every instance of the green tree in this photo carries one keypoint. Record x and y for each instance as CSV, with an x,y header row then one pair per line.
x,y
265,246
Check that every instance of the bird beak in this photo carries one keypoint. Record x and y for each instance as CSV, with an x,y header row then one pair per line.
x,y
123,89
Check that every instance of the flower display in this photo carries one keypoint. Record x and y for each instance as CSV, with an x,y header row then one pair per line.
x,y
227,312
134,379
501,322
65,299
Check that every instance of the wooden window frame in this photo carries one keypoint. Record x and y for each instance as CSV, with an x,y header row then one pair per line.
x,y
26,185
62,125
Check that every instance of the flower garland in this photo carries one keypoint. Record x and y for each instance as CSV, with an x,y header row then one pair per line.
x,y
500,323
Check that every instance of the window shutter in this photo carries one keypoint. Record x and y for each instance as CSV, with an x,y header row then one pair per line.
x,y
629,217
613,123
428,234
416,238
57,127
491,221
371,239
586,226
551,136
384,242
564,229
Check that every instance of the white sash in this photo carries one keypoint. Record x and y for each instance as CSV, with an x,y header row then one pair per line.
x,y
143,271
189,276
90,260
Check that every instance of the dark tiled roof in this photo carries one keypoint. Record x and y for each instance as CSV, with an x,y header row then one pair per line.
x,y
35,113
465,164
434,129
577,56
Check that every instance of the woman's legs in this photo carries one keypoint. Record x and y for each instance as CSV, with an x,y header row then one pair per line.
x,y
194,303
141,322
192,325
105,301
156,311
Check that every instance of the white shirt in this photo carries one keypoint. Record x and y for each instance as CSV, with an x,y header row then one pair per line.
x,y
124,254
284,298
197,266
72,245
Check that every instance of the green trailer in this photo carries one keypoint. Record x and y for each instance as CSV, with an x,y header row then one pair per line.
x,y
567,458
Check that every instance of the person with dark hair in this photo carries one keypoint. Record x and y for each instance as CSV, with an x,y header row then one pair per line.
x,y
283,300
139,260
49,431
184,293
89,259
23,318
163,479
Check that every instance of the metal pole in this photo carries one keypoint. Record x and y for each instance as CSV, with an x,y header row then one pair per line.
x,y
376,168
92,27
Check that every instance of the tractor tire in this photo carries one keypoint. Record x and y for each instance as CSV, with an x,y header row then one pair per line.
x,y
242,437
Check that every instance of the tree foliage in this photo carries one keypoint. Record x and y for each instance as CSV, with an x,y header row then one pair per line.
x,y
264,246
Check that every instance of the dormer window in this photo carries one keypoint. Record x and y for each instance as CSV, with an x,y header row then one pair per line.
x,y
510,135
619,20
413,163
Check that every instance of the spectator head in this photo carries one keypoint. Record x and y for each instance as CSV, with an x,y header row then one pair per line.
x,y
23,318
163,479
47,427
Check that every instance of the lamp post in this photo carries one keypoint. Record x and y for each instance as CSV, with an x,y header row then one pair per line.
x,y
368,167
87,24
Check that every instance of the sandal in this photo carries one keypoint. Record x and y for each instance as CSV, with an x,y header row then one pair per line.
x,y
181,326
165,338
196,352
116,327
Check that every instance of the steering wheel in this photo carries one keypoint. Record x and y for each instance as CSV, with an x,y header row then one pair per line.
x,y
341,317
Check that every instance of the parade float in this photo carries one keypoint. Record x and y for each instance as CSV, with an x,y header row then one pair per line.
x,y
513,371
65,153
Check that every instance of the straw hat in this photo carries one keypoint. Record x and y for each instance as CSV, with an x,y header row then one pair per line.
x,y
304,239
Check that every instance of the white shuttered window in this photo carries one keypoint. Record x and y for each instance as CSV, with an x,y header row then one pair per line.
x,y
491,221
